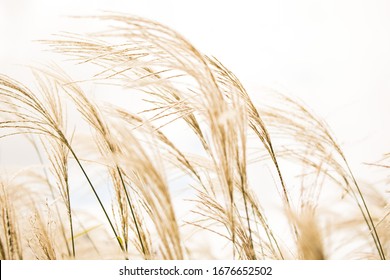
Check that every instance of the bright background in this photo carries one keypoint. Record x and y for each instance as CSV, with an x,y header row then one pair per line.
x,y
333,55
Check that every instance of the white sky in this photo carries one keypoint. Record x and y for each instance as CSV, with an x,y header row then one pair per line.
x,y
333,55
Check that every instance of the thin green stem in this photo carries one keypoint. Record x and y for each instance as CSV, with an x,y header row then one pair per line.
x,y
368,218
97,197
132,211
